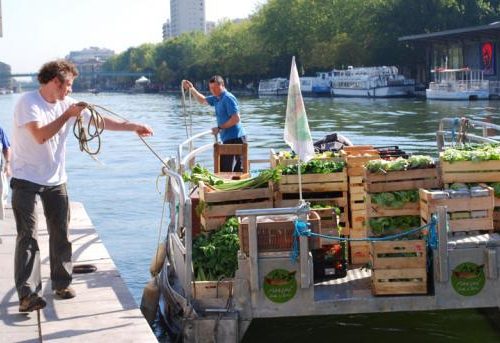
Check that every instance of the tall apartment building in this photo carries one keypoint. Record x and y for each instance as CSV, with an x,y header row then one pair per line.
x,y
187,16
1,18
167,30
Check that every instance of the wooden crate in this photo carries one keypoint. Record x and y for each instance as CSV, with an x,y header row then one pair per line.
x,y
276,160
428,206
399,281
218,205
356,160
375,210
402,180
470,172
277,235
496,220
398,254
360,252
333,182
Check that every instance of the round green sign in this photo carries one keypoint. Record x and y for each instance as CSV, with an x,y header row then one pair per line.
x,y
468,278
280,285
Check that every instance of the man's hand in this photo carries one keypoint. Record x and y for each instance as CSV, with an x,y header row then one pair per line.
x,y
187,84
75,110
143,130
215,131
6,169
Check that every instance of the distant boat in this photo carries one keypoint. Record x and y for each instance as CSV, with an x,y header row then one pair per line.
x,y
314,86
276,86
458,84
93,91
371,82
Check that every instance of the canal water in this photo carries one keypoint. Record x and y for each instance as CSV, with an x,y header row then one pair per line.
x,y
120,194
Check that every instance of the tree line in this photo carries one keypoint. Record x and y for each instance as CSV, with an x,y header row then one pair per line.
x,y
322,34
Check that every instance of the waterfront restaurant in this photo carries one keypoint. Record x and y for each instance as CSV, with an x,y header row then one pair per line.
x,y
473,47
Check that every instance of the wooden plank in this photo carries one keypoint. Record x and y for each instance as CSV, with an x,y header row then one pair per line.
x,y
463,166
391,281
314,187
374,210
314,178
358,197
476,224
355,171
360,252
497,202
470,172
230,209
212,196
387,254
356,179
358,206
358,232
472,177
402,180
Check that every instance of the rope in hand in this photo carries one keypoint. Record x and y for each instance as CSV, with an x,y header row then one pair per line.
x,y
95,128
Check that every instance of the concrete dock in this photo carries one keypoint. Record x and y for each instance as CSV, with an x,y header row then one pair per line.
x,y
103,310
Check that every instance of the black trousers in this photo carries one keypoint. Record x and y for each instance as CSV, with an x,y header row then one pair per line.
x,y
27,255
227,161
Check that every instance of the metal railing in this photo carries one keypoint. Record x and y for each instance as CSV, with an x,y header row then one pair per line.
x,y
447,126
253,251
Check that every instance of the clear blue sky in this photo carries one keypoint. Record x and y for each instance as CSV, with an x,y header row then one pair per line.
x,y
35,31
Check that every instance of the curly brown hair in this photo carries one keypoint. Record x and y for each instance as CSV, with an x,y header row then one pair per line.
x,y
57,68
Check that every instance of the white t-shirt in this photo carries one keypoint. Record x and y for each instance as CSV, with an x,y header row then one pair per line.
x,y
44,164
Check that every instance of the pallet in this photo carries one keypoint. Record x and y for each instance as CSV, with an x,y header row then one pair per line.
x,y
427,178
218,205
360,252
374,210
275,236
399,281
428,206
333,182
388,254
470,172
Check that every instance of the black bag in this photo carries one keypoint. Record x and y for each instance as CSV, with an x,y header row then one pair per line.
x,y
333,142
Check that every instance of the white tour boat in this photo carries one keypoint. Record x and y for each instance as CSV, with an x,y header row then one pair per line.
x,y
458,84
276,86
371,82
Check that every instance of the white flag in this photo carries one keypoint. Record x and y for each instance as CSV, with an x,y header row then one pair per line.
x,y
297,134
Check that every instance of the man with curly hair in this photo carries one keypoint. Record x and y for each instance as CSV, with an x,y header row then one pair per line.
x,y
42,121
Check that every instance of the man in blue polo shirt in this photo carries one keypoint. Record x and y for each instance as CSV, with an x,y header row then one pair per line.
x,y
227,112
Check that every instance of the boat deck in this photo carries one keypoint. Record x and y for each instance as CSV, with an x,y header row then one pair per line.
x,y
103,309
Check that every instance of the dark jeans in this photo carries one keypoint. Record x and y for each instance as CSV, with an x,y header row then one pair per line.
x,y
226,161
27,255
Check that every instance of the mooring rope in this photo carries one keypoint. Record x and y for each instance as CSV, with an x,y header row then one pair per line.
x,y
40,337
302,229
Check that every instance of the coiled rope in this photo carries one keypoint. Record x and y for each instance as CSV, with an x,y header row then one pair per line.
x,y
96,127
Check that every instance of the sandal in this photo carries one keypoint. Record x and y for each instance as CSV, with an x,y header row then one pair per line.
x,y
31,303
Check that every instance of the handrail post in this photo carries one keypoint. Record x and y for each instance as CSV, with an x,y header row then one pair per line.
x,y
188,241
442,231
253,251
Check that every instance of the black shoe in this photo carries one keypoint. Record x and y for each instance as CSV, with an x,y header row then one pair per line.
x,y
31,303
66,293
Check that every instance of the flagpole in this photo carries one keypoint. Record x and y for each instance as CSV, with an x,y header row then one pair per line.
x,y
300,181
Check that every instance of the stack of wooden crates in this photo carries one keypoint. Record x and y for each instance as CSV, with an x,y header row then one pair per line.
x,y
398,267
325,189
356,157
473,172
